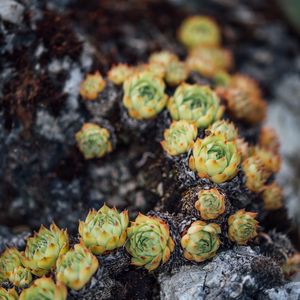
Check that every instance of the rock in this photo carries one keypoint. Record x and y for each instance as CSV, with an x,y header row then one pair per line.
x,y
11,11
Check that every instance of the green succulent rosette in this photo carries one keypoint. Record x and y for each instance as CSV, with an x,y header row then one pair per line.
x,y
179,138
256,174
215,158
201,241
210,204
8,294
199,31
119,73
20,277
43,249
242,227
224,128
195,103
44,288
272,196
104,230
76,267
176,73
163,57
144,95
149,242
9,260
93,141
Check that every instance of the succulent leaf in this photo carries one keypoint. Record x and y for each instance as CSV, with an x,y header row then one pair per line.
x,y
195,103
215,158
199,30
224,128
43,249
271,160
149,242
144,95
210,204
92,86
44,288
76,267
272,196
119,73
93,141
179,138
104,230
8,294
201,241
9,260
20,277
242,227
256,173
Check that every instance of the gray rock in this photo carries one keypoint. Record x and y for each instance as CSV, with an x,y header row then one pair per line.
x,y
11,11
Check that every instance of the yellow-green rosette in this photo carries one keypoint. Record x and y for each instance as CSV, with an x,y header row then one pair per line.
x,y
93,141
272,196
176,73
224,128
271,160
201,241
119,73
149,242
210,204
215,158
76,267
104,230
144,95
163,57
199,30
9,260
20,277
92,86
242,227
8,294
179,138
195,103
256,174
44,288
43,249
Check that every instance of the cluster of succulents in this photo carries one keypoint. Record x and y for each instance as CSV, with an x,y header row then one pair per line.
x,y
211,144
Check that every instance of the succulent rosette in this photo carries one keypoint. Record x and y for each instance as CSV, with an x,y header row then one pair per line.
x,y
199,30
8,294
272,196
268,139
209,61
92,86
20,277
9,260
149,242
195,103
215,158
163,57
210,204
44,288
43,249
255,173
224,128
93,141
179,138
243,148
201,241
104,230
144,95
271,160
222,78
242,227
119,73
76,267
176,73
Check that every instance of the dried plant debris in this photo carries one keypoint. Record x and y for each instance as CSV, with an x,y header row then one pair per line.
x,y
156,121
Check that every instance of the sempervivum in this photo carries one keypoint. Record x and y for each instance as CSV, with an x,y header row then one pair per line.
x,y
9,260
210,204
215,158
93,141
199,30
195,103
43,249
272,196
224,128
76,267
20,277
44,288
256,174
209,61
201,241
242,227
104,230
92,86
271,160
144,95
8,294
179,138
149,242
119,73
